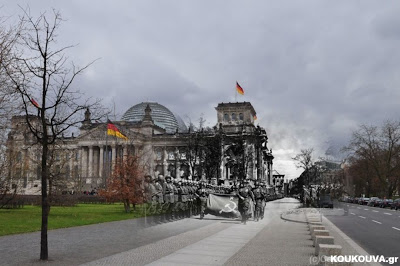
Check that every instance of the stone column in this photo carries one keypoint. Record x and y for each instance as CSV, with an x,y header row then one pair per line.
x,y
165,163
178,169
125,151
113,156
101,161
83,162
91,162
71,163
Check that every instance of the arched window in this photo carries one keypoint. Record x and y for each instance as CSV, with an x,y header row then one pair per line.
x,y
241,116
226,117
233,116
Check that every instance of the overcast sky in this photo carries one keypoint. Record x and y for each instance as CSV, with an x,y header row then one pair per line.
x,y
313,70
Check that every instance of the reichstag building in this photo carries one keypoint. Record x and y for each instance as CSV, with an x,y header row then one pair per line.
x,y
159,137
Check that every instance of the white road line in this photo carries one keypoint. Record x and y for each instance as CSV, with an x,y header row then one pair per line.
x,y
355,214
395,228
362,217
376,222
348,205
387,213
358,208
366,209
375,211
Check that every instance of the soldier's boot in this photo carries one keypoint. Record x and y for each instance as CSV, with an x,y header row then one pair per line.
x,y
201,215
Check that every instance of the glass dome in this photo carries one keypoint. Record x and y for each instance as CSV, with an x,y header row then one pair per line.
x,y
161,115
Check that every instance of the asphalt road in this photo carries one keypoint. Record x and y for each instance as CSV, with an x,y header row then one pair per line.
x,y
375,229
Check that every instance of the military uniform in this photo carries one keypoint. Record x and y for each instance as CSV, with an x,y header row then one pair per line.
x,y
149,195
258,198
202,194
244,193
264,201
169,197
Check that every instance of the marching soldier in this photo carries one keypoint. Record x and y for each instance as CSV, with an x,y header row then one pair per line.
x,y
169,196
184,198
149,194
202,194
258,197
264,201
159,196
244,194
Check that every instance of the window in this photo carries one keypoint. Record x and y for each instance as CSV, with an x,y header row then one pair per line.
x,y
183,156
241,116
171,155
234,116
158,155
226,117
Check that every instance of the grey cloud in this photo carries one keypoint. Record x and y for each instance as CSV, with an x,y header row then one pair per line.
x,y
312,69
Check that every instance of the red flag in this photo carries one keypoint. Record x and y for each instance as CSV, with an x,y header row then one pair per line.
x,y
239,89
35,103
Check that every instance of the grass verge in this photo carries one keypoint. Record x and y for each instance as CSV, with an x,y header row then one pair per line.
x,y
28,219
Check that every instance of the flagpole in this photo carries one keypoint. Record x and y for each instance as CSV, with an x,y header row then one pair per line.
x,y
107,157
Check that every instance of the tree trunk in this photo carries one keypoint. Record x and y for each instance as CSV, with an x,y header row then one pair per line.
x,y
127,206
44,254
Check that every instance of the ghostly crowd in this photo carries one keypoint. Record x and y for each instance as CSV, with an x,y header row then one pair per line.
x,y
175,199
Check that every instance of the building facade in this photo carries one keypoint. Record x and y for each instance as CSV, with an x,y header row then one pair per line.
x,y
237,149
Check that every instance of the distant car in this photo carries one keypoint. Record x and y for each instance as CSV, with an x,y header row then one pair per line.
x,y
363,201
325,202
378,203
396,204
372,201
386,203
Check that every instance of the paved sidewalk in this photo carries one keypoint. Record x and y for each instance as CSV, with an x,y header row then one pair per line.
x,y
212,241
271,241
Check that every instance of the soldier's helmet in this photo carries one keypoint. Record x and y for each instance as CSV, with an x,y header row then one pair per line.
x,y
257,183
147,178
168,178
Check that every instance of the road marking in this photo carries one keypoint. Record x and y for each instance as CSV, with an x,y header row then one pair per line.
x,y
375,211
355,214
387,213
366,209
348,205
358,208
362,217
395,228
376,222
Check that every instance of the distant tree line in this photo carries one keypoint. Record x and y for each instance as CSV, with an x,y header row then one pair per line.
x,y
374,159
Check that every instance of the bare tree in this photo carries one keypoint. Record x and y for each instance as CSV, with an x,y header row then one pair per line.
x,y
378,149
42,75
9,105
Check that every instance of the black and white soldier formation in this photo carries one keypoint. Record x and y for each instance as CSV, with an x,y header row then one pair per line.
x,y
172,199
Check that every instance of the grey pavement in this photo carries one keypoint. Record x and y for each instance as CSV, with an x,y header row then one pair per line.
x,y
212,241
272,241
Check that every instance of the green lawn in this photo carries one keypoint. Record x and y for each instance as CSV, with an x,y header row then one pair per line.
x,y
28,219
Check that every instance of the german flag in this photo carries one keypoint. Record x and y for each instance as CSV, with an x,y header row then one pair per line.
x,y
35,103
239,89
112,130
